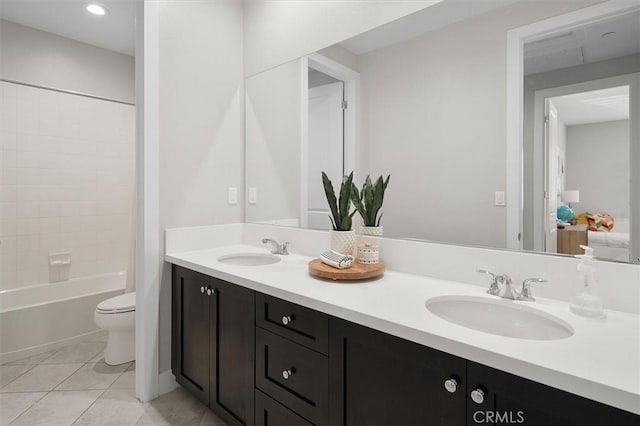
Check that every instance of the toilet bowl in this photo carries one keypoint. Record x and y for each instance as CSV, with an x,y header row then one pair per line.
x,y
118,316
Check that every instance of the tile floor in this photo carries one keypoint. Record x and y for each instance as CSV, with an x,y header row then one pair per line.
x,y
74,386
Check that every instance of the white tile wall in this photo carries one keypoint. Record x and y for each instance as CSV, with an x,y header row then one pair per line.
x,y
66,183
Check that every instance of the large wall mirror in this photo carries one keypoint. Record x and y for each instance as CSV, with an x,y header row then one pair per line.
x,y
423,100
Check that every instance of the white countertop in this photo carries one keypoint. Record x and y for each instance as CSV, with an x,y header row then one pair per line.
x,y
601,361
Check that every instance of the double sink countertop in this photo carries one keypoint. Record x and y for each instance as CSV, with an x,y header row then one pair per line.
x,y
600,361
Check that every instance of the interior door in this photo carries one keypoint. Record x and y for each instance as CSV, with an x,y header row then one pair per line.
x,y
552,158
326,149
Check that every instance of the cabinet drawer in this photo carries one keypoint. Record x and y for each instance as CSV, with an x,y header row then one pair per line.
x,y
294,375
302,325
272,413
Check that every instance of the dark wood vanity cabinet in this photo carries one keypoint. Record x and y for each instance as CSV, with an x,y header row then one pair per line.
x,y
509,399
213,343
379,379
256,359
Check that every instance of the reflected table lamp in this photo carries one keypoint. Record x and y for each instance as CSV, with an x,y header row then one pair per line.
x,y
570,197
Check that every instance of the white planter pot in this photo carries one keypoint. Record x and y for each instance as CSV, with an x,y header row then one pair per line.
x,y
372,231
343,241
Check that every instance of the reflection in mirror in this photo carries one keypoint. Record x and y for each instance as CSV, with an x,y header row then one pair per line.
x,y
425,104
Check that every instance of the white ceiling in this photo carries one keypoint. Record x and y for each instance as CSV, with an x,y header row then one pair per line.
x,y
596,106
68,18
429,19
600,41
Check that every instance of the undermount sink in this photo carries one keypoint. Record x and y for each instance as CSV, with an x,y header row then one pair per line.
x,y
249,259
500,317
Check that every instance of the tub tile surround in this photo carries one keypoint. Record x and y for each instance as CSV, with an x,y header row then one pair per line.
x,y
419,271
66,183
88,393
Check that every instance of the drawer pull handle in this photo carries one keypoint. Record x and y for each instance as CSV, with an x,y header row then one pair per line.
x,y
287,319
202,289
477,396
288,373
451,385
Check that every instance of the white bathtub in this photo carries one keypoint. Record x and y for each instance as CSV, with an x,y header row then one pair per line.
x,y
44,317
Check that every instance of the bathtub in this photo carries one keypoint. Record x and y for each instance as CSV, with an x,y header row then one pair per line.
x,y
44,317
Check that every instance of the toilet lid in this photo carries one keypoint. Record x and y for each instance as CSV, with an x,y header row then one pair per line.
x,y
118,304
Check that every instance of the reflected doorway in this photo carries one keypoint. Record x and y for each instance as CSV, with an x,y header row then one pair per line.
x,y
587,169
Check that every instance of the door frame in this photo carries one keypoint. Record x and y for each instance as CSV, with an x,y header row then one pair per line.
x,y
631,80
351,80
516,38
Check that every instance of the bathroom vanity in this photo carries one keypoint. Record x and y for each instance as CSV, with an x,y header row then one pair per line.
x,y
262,353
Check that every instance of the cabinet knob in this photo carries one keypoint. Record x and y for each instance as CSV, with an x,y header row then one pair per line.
x,y
477,396
451,385
210,292
286,320
201,289
288,373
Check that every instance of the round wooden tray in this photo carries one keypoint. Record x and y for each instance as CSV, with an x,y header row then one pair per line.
x,y
357,272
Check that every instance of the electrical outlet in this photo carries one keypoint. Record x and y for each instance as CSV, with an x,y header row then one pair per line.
x,y
232,196
253,196
500,198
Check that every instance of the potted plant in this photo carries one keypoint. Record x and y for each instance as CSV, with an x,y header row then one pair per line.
x,y
342,237
368,203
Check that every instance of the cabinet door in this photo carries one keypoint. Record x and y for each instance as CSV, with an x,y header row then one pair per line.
x,y
190,331
378,379
233,353
512,399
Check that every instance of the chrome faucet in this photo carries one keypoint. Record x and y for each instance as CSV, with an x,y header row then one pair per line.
x,y
502,286
277,247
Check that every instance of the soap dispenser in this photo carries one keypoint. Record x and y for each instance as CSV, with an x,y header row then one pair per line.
x,y
585,300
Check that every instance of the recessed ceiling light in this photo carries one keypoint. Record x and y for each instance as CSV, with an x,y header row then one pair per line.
x,y
96,9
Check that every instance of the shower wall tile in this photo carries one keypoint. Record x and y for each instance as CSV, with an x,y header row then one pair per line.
x,y
66,183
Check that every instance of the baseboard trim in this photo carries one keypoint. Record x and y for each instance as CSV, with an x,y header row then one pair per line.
x,y
166,382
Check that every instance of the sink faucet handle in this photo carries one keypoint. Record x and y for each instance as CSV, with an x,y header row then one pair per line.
x,y
493,289
285,247
525,293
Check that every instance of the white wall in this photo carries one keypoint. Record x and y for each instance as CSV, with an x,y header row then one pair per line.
x,y
603,185
273,128
66,185
37,57
434,117
201,124
279,31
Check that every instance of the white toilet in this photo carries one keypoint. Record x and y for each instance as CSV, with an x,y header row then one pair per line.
x,y
118,316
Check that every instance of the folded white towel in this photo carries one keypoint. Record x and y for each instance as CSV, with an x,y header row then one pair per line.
x,y
337,260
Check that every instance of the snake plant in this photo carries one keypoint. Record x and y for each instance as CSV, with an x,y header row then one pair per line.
x,y
340,216
369,201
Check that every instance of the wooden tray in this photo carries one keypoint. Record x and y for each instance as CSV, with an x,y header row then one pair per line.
x,y
357,272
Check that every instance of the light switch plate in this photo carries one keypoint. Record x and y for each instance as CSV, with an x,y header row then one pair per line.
x,y
500,198
253,195
232,197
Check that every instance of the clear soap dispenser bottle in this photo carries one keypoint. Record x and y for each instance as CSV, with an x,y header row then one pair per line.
x,y
586,300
